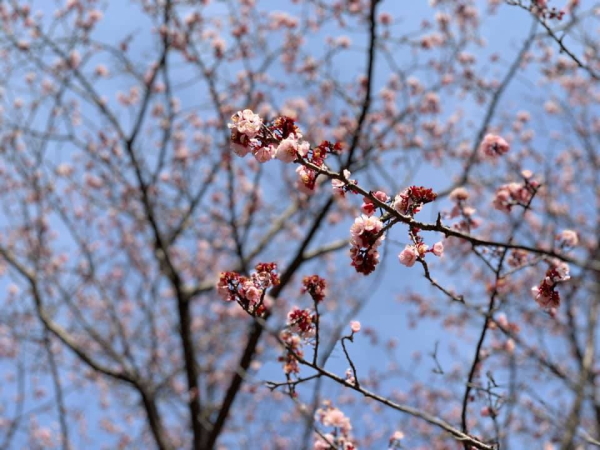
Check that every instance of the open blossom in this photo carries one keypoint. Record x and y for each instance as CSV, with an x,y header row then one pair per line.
x,y
459,194
336,418
403,203
223,286
251,292
408,256
493,146
307,179
333,417
568,238
303,148
341,438
287,149
355,326
264,154
364,229
381,196
246,122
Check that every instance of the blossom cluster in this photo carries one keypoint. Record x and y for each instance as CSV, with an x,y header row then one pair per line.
x,y
463,210
412,253
513,194
301,322
249,292
315,286
341,437
411,200
541,8
293,351
281,139
545,294
367,232
493,146
366,235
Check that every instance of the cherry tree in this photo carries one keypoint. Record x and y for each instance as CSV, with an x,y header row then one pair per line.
x,y
314,224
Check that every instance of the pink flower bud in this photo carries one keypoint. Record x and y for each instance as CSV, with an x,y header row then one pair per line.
x,y
438,249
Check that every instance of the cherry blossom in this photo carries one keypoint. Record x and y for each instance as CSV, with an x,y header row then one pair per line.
x,y
287,150
493,146
408,256
568,238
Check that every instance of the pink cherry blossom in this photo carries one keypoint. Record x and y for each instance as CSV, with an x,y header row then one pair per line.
x,y
355,326
408,256
364,230
252,293
264,154
568,238
459,194
493,146
306,179
246,122
287,149
336,418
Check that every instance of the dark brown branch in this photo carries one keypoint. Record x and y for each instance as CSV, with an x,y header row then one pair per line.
x,y
369,83
433,420
256,330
